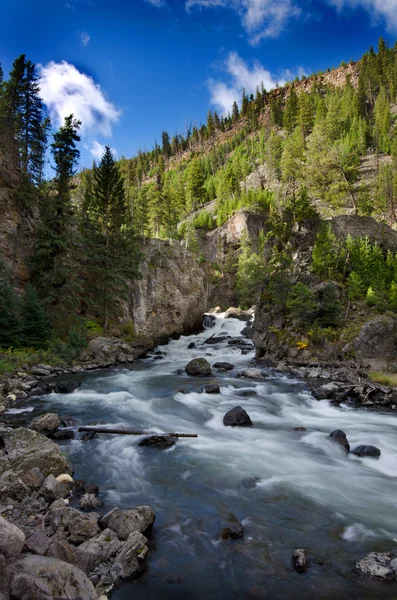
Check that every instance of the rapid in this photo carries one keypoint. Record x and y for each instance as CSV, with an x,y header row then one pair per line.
x,y
290,489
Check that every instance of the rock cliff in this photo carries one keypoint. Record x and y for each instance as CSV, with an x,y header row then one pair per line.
x,y
171,295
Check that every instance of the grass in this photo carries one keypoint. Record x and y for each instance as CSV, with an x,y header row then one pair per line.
x,y
388,379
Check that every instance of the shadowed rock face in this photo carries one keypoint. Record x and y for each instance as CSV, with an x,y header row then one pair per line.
x,y
377,342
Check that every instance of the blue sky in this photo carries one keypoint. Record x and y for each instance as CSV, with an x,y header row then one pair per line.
x,y
129,69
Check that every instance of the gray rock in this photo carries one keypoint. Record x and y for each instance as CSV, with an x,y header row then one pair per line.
x,y
83,529
237,417
212,388
198,367
98,550
63,551
12,486
191,346
34,478
124,522
40,372
371,451
53,489
37,542
327,390
45,424
377,342
338,436
131,560
252,374
27,449
300,561
43,578
90,502
62,517
158,441
378,565
237,313
63,434
12,539
223,366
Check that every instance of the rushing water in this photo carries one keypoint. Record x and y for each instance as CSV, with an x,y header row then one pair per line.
x,y
290,489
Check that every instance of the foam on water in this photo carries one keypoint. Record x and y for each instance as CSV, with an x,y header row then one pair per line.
x,y
289,472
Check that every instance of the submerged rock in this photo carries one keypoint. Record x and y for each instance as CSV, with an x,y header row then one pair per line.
x,y
209,321
223,366
340,438
191,346
158,441
198,367
237,417
232,533
371,451
300,561
378,565
212,388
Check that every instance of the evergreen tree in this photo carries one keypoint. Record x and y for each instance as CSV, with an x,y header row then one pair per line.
x,y
55,262
290,114
166,146
244,104
235,112
10,326
117,261
195,190
36,328
210,124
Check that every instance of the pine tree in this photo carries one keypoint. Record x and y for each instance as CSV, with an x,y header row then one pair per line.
x,y
55,262
36,328
166,146
195,190
210,124
10,325
290,114
244,103
116,261
235,112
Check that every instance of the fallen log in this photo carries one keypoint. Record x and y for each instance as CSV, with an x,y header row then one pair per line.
x,y
129,432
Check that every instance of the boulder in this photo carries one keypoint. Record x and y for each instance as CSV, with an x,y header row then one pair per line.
x,y
237,313
212,388
52,489
27,449
124,522
12,539
63,551
66,387
340,438
223,366
83,529
131,560
45,424
90,502
198,367
66,479
252,374
378,565
237,417
34,478
191,346
43,578
300,561
97,550
326,391
37,542
376,343
247,331
371,451
158,441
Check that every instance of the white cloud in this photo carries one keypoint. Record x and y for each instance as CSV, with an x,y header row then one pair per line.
x,y
84,38
97,149
65,90
155,2
240,76
260,18
386,9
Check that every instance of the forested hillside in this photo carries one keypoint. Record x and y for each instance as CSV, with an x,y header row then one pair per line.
x,y
317,147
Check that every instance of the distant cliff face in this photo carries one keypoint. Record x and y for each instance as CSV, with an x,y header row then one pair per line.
x,y
171,295
17,224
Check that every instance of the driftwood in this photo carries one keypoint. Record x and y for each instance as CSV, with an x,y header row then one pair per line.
x,y
129,432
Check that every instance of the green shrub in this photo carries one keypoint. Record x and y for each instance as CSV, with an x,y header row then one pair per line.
x,y
301,305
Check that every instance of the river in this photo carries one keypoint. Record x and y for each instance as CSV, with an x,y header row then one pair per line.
x,y
290,489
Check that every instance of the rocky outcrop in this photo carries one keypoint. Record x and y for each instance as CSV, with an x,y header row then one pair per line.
x,y
378,565
171,295
376,343
106,351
